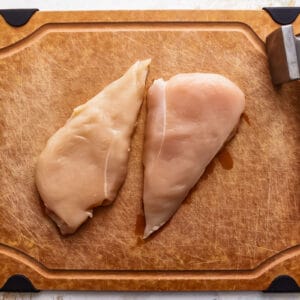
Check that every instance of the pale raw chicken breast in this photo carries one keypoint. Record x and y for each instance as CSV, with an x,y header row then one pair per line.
x,y
85,162
189,119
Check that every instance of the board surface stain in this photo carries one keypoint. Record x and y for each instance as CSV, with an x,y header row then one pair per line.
x,y
225,159
246,118
140,224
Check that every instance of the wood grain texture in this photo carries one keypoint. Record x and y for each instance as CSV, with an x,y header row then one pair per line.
x,y
238,229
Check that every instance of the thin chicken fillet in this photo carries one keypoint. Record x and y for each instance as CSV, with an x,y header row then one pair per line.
x,y
189,119
85,162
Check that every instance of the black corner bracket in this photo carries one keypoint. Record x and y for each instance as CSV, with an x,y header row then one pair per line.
x,y
18,283
17,17
283,15
283,284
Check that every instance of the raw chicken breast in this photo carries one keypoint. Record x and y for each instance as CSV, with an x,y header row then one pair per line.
x,y
85,162
189,119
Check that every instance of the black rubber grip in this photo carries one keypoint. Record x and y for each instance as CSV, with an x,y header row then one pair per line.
x,y
17,17
283,15
18,283
283,284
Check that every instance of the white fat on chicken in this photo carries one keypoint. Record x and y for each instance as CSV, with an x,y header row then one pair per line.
x,y
189,118
84,163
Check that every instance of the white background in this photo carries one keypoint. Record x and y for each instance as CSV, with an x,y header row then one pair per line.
x,y
146,4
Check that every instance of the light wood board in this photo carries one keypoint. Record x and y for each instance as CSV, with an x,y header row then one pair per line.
x,y
239,227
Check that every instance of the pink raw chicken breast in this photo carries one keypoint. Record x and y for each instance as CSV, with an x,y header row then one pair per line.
x,y
84,163
190,117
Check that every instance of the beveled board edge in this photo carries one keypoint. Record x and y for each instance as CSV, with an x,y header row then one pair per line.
x,y
259,20
285,263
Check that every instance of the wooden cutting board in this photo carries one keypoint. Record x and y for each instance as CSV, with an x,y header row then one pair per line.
x,y
240,226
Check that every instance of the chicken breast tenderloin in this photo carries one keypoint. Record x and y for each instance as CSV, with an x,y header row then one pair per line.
x,y
189,119
85,162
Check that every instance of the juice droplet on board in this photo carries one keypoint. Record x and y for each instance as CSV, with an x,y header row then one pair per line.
x,y
187,200
140,241
225,159
140,224
209,169
246,118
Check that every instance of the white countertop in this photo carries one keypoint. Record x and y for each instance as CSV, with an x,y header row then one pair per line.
x,y
146,4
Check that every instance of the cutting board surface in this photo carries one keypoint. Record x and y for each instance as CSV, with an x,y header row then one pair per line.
x,y
239,227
